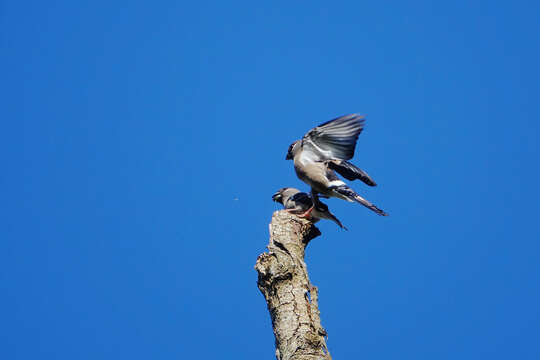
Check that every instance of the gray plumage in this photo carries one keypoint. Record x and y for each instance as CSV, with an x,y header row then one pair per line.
x,y
297,202
323,151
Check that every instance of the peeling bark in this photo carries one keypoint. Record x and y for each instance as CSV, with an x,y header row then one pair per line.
x,y
292,300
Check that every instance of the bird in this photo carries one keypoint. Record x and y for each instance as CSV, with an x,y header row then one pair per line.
x,y
323,151
297,202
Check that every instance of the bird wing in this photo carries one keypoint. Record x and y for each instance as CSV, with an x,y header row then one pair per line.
x,y
350,171
302,198
335,139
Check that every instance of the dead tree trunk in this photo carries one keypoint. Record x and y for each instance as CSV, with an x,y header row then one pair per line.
x,y
291,299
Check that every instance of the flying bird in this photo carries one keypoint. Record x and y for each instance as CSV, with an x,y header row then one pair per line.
x,y
323,151
297,202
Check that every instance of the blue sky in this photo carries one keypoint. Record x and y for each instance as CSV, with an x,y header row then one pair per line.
x,y
130,128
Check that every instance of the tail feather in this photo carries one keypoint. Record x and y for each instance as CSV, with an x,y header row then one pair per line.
x,y
351,195
323,212
350,171
336,220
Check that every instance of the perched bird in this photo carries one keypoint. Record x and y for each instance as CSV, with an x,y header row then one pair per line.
x,y
323,151
299,203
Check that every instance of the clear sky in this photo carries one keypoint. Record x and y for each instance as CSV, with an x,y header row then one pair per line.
x,y
142,142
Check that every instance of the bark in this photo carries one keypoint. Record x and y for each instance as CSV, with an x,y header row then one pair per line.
x,y
292,300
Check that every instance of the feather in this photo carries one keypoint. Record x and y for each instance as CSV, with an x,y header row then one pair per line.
x,y
350,171
334,139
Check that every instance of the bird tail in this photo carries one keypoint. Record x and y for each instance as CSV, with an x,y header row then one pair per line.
x,y
324,213
350,195
336,220
350,171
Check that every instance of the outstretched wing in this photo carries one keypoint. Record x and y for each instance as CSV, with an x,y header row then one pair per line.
x,y
335,139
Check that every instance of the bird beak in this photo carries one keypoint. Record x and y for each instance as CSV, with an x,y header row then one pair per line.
x,y
288,157
276,197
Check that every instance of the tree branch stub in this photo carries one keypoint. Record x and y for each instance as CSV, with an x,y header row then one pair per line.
x,y
291,299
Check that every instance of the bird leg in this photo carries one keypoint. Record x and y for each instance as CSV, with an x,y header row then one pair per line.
x,y
315,200
314,197
290,211
307,214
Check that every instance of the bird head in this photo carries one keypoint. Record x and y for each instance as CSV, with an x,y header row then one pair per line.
x,y
293,149
278,196
284,194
